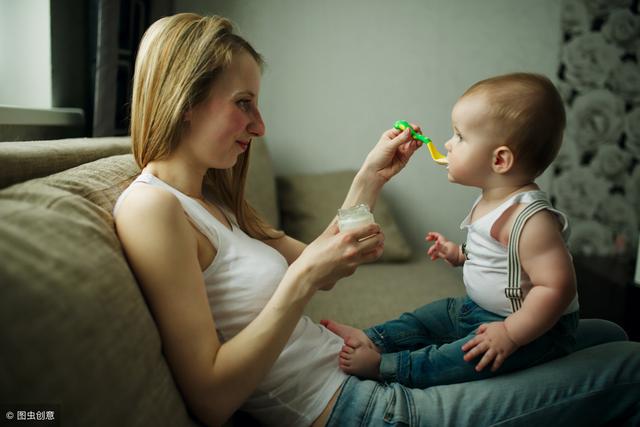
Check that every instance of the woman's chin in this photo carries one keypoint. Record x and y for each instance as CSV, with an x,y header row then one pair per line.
x,y
228,164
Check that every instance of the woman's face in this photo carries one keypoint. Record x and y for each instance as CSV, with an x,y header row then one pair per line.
x,y
221,128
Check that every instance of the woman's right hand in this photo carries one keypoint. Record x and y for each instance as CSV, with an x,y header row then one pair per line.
x,y
334,255
391,154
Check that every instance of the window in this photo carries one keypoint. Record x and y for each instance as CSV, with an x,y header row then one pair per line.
x,y
25,53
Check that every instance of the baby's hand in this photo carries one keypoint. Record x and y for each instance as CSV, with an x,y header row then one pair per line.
x,y
444,249
493,340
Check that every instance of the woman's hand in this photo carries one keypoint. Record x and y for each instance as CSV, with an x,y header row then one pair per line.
x,y
391,153
335,255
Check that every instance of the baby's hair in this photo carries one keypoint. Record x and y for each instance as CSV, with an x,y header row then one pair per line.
x,y
532,115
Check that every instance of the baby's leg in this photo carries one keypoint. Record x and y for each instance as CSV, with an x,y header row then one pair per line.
x,y
429,366
422,330
435,323
444,364
426,367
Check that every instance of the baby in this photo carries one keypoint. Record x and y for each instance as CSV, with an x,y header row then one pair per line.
x,y
521,306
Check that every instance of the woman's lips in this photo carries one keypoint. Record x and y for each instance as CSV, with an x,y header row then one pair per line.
x,y
243,144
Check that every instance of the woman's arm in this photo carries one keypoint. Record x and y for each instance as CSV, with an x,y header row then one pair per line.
x,y
289,247
389,156
216,378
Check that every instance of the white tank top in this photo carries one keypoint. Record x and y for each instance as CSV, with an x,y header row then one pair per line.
x,y
485,271
239,282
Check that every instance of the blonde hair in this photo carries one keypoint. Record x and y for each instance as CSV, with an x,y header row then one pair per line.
x,y
179,58
532,113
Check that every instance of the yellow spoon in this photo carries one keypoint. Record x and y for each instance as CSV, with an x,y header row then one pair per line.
x,y
435,154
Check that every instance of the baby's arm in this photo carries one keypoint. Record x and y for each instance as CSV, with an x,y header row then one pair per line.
x,y
546,260
443,248
544,257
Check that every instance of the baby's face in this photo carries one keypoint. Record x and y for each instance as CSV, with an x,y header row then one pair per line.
x,y
473,141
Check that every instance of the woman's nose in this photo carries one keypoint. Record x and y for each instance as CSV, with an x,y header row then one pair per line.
x,y
256,127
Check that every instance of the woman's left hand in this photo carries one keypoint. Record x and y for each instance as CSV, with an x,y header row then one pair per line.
x,y
391,153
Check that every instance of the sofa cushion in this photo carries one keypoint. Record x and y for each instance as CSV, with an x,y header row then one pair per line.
x,y
309,202
24,160
76,330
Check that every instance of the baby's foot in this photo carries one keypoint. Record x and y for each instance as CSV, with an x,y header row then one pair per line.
x,y
358,359
349,332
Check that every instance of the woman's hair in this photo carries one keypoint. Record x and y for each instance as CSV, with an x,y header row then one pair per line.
x,y
531,113
178,60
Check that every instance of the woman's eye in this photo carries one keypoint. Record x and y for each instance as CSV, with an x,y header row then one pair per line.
x,y
245,104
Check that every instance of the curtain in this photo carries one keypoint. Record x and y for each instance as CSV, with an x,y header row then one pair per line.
x,y
117,28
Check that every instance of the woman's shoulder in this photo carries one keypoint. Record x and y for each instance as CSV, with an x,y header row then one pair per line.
x,y
153,206
144,200
150,223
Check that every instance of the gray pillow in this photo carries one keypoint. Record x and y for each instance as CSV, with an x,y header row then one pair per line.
x,y
309,202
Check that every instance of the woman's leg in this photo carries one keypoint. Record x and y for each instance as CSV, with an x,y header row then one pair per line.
x,y
592,386
592,332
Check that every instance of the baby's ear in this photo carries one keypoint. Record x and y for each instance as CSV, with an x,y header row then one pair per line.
x,y
503,159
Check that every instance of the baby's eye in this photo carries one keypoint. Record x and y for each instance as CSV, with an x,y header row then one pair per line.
x,y
459,137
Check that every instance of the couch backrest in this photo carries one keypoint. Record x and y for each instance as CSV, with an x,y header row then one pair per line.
x,y
24,160
21,161
76,330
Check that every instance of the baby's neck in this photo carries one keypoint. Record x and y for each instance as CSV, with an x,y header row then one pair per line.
x,y
499,193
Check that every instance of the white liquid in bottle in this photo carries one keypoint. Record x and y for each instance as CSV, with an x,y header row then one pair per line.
x,y
354,217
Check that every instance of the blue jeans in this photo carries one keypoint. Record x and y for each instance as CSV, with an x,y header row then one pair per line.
x,y
424,348
596,384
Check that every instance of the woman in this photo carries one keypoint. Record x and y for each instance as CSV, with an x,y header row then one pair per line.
x,y
228,291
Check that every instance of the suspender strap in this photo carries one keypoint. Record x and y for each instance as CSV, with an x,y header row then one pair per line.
x,y
513,291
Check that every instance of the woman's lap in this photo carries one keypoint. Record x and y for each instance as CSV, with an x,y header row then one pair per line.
x,y
588,387
592,332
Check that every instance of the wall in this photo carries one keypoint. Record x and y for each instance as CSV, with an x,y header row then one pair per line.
x,y
339,73
597,180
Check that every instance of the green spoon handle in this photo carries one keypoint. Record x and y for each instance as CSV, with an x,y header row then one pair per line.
x,y
402,125
420,137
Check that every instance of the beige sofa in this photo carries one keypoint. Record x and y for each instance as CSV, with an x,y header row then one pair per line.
x,y
76,331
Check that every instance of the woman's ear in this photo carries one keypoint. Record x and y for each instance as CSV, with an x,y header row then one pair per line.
x,y
503,159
